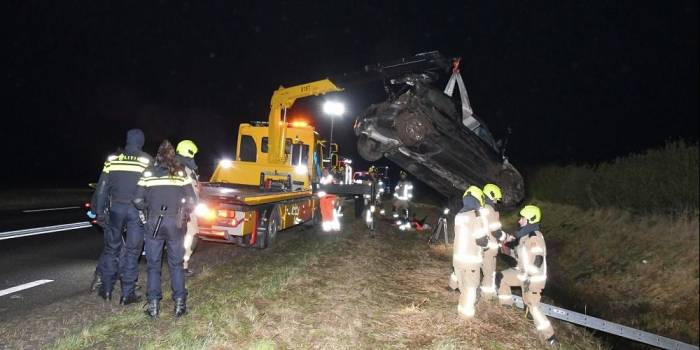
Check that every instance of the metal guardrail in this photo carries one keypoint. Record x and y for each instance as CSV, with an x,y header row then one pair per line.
x,y
42,230
609,327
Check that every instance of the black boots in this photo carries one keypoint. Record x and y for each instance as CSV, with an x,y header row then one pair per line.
x,y
96,282
180,307
104,295
153,308
130,299
552,342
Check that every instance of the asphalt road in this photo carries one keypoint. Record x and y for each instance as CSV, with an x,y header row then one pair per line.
x,y
68,258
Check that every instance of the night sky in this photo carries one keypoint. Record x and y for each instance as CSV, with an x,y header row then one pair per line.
x,y
576,81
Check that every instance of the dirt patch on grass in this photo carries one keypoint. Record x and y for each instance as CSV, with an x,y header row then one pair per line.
x,y
318,291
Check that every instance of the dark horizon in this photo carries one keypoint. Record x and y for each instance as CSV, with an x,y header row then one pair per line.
x,y
576,82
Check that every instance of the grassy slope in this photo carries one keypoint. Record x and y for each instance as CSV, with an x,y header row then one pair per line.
x,y
640,271
623,237
325,292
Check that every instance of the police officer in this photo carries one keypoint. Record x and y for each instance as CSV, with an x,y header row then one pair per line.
x,y
165,194
470,240
531,272
492,195
115,212
186,150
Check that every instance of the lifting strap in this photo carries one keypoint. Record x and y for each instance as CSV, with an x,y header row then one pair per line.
x,y
467,113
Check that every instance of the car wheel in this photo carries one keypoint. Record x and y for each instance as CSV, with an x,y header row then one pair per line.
x,y
413,129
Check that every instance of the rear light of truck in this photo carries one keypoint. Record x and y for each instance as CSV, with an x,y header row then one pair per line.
x,y
225,213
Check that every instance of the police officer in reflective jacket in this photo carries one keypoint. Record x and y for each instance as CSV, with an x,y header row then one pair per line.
x,y
165,195
115,212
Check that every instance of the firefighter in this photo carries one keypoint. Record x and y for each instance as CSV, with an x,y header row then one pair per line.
x,y
114,212
372,200
470,240
186,150
328,204
378,186
492,196
403,193
326,177
166,196
531,272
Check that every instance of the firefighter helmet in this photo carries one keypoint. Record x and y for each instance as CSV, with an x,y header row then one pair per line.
x,y
476,193
372,170
186,148
532,213
403,174
494,192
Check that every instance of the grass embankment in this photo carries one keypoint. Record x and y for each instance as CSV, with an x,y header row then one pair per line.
x,y
660,181
43,198
320,291
628,247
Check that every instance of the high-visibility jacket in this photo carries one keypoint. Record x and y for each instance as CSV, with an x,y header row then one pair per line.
x,y
468,229
403,190
120,174
493,220
532,260
158,189
191,170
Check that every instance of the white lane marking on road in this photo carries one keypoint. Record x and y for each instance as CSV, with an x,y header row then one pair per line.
x,y
43,230
48,209
23,287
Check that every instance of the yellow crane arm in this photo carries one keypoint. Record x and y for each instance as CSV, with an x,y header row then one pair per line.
x,y
284,98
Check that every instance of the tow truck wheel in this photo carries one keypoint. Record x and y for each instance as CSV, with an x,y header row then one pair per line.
x,y
272,227
266,228
315,217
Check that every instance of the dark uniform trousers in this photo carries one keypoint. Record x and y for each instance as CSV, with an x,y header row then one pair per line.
x,y
122,215
172,237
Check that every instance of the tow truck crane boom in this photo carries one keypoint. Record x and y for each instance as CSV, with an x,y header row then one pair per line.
x,y
282,99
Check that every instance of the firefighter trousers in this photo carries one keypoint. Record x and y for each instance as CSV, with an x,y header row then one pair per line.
x,y
190,239
531,299
488,268
467,281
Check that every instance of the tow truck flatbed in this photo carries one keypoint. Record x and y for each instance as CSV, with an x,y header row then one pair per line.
x,y
247,195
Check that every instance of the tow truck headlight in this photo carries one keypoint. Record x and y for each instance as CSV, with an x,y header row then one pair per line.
x,y
226,163
300,169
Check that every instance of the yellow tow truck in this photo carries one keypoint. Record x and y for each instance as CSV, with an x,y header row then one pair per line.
x,y
269,185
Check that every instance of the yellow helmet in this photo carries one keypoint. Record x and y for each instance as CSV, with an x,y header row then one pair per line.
x,y
532,213
186,148
476,193
372,169
494,192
